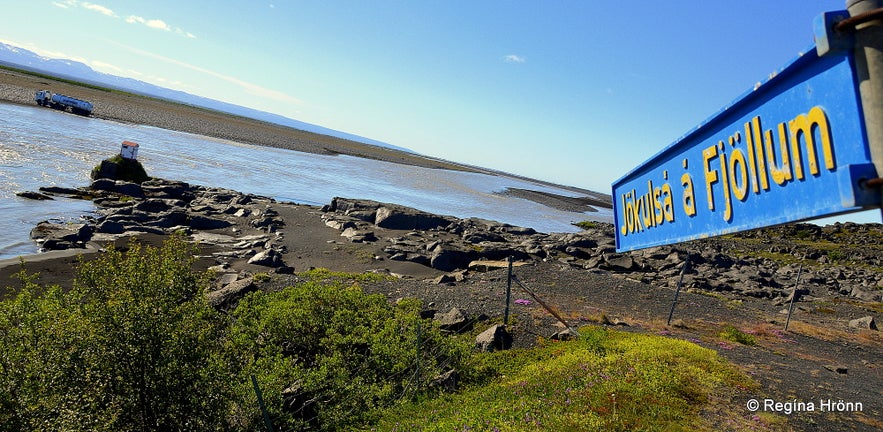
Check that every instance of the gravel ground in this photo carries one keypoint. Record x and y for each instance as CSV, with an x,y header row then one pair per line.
x,y
809,363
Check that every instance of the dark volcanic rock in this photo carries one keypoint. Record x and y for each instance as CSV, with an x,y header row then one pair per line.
x,y
403,218
118,168
448,258
34,195
103,184
207,223
61,236
110,227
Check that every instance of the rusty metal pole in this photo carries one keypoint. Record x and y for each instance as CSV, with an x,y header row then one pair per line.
x,y
793,296
678,290
508,291
869,73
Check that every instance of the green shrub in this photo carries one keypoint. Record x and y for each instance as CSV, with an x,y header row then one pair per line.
x,y
134,346
328,341
836,255
733,334
130,347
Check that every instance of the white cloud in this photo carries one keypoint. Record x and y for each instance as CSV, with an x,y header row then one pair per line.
x,y
98,8
153,23
514,58
67,4
185,33
158,24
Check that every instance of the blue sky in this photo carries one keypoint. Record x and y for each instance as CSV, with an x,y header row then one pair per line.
x,y
575,92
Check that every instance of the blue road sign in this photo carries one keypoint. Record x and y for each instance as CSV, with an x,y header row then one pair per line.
x,y
793,148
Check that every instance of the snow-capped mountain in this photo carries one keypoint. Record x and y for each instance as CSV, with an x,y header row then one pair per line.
x,y
69,69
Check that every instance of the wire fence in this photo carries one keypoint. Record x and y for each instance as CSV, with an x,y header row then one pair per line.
x,y
429,361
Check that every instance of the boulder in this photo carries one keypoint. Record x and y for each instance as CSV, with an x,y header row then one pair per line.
x,y
206,223
514,230
449,278
34,195
227,297
619,262
110,227
494,338
447,381
565,335
105,170
267,258
268,222
61,236
128,188
159,188
454,321
60,190
864,323
169,219
358,236
340,224
404,218
153,205
226,279
444,279
118,168
476,237
448,258
103,184
578,240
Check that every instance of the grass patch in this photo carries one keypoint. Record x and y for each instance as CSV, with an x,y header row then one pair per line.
x,y
606,380
733,334
325,275
586,225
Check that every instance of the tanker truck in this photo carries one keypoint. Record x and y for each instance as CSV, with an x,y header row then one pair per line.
x,y
62,102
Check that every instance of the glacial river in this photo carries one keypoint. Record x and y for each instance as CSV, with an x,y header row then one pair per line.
x,y
44,147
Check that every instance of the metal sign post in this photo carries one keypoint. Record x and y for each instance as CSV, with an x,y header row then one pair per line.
x,y
868,34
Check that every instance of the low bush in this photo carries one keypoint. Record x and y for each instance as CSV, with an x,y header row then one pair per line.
x,y
327,355
134,346
130,347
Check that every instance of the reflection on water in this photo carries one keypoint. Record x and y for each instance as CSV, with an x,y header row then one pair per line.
x,y
40,147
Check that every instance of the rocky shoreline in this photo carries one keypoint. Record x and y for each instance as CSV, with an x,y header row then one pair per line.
x,y
760,264
453,266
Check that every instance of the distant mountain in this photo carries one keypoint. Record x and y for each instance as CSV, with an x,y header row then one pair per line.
x,y
76,71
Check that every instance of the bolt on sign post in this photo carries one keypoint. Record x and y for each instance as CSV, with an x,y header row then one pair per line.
x,y
793,148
